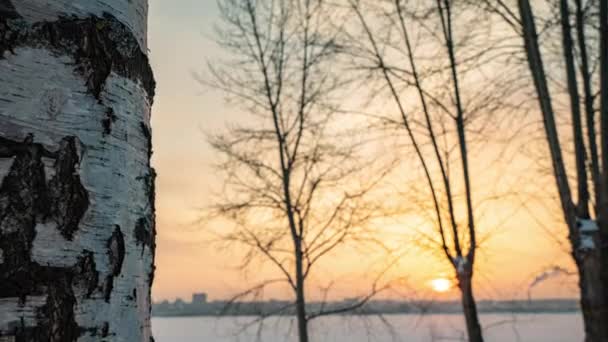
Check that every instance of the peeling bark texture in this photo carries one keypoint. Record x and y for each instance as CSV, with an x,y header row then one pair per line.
x,y
76,186
98,46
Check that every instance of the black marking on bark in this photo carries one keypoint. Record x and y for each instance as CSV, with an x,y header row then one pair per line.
x,y
116,255
56,320
86,275
143,234
8,38
108,121
69,198
107,288
148,135
116,251
26,199
151,192
151,275
146,228
105,329
98,46
7,10
133,296
23,199
10,148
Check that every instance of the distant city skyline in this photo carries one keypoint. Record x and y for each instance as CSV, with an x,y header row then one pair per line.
x,y
200,306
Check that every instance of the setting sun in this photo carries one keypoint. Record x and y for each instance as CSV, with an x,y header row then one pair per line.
x,y
441,284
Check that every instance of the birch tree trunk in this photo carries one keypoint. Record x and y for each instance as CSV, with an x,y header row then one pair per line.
x,y
76,187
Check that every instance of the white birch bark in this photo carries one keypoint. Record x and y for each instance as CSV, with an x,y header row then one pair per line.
x,y
76,187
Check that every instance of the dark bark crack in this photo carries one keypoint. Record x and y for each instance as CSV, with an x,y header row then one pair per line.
x,y
148,135
108,121
144,234
86,276
107,288
68,197
116,255
116,251
105,329
151,192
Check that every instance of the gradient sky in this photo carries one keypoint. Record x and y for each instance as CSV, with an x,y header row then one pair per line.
x,y
187,262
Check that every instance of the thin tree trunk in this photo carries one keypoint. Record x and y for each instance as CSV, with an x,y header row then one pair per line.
x,y
464,266
604,108
602,306
301,300
469,306
582,206
538,74
77,224
589,110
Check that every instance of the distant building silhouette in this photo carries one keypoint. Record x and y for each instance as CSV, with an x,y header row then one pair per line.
x,y
199,298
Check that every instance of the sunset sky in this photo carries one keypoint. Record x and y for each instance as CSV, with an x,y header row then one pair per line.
x,y
187,260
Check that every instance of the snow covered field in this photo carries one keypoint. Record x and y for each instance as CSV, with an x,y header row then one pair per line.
x,y
407,328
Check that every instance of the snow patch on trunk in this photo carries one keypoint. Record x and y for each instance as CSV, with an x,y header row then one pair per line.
x,y
460,262
587,225
587,229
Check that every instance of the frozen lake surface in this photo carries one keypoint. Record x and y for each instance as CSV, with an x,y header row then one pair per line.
x,y
565,327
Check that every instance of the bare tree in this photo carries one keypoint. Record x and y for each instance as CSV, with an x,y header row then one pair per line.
x,y
293,190
442,67
586,227
77,226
